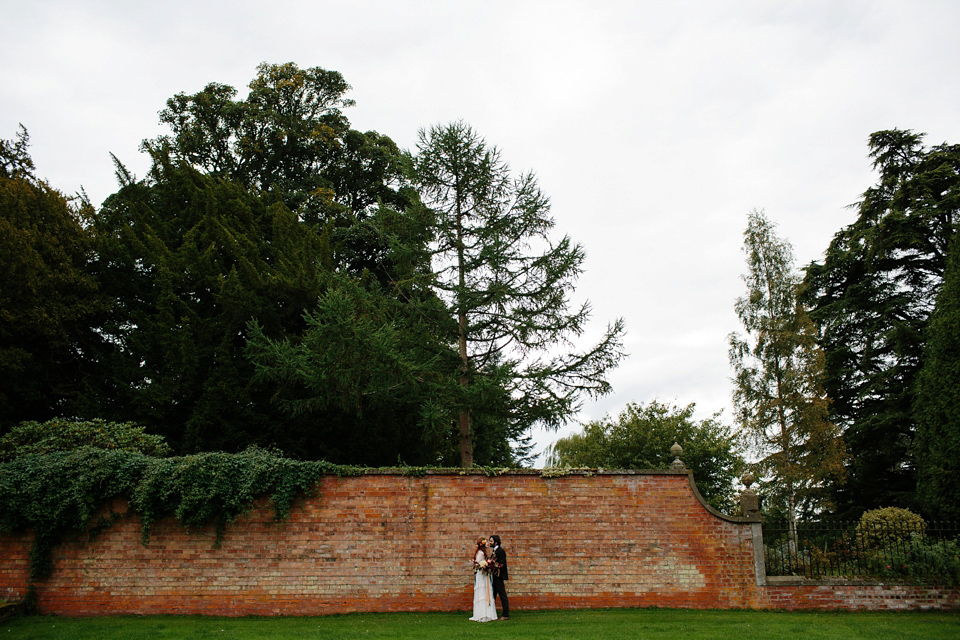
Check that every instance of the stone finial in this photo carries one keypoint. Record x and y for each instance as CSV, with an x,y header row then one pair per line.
x,y
677,465
749,502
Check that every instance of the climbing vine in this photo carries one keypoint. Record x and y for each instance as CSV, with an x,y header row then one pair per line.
x,y
58,494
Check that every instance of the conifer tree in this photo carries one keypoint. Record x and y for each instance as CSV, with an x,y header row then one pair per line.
x,y
871,298
49,300
507,286
937,445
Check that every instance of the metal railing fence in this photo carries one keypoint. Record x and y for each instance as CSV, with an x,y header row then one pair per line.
x,y
927,553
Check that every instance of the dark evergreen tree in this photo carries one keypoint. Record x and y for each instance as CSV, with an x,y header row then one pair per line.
x,y
937,407
188,259
289,136
49,301
872,297
201,271
264,218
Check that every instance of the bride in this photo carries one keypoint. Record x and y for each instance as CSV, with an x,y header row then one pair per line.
x,y
484,609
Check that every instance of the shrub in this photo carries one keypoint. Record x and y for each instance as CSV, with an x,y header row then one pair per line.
x,y
69,435
920,560
888,527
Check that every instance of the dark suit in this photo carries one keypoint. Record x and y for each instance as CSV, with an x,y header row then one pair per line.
x,y
499,589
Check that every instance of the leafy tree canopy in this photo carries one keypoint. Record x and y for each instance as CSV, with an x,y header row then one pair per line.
x,y
288,134
269,237
255,214
641,437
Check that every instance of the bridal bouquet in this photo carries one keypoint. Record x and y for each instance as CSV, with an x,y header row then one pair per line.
x,y
484,566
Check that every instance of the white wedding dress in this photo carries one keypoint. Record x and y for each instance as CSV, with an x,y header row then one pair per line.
x,y
484,609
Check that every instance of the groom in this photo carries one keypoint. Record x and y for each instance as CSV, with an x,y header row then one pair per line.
x,y
499,589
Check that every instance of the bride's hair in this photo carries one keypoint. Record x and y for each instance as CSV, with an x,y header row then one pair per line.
x,y
481,543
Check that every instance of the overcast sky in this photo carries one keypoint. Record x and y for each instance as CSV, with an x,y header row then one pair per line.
x,y
654,127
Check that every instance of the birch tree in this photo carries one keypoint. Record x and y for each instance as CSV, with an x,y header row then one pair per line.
x,y
778,396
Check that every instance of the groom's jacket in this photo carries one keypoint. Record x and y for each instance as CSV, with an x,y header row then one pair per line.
x,y
502,561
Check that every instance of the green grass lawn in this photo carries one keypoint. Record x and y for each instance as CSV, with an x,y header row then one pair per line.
x,y
662,624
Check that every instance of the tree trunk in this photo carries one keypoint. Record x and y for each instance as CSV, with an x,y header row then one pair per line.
x,y
466,435
466,440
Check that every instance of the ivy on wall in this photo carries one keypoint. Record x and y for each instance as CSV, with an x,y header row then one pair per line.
x,y
58,494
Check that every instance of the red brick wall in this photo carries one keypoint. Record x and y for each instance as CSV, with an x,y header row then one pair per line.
x,y
399,543
860,597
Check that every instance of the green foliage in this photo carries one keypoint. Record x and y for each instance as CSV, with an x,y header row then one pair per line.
x,y
367,357
67,435
937,405
871,298
58,494
266,230
779,397
217,487
287,135
897,555
189,260
506,285
283,133
15,160
923,558
265,277
209,276
358,349
890,526
890,544
49,301
641,437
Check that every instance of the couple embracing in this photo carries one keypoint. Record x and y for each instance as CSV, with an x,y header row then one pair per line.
x,y
490,572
